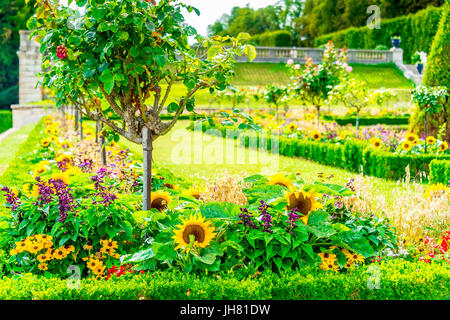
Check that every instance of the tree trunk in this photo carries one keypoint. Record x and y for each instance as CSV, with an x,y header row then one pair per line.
x,y
357,123
77,115
318,115
278,113
102,144
81,127
426,130
147,145
97,124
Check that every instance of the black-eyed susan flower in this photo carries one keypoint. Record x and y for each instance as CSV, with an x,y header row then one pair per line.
x,y
194,228
45,142
60,254
281,180
355,258
43,266
160,200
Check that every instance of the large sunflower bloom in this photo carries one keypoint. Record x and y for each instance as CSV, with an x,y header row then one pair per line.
x,y
281,180
304,202
160,200
197,227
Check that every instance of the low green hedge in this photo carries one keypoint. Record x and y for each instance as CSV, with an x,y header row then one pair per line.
x,y
353,156
440,172
5,120
369,121
399,280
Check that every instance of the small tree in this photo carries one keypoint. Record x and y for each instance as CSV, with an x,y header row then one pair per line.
x,y
430,101
355,94
314,84
130,53
275,95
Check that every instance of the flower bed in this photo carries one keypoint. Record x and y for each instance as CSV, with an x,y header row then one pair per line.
x,y
280,236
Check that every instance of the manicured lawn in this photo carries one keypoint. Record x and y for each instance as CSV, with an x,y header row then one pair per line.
x,y
199,158
10,145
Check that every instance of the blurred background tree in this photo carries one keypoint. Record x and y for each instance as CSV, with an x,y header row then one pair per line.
x,y
13,17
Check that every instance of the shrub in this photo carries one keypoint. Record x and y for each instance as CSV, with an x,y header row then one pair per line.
x,y
280,38
368,121
440,172
415,30
5,120
400,280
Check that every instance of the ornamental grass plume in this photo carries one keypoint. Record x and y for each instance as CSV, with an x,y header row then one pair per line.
x,y
225,189
409,207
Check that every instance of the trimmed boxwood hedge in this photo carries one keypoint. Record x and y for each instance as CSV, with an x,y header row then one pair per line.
x,y
363,121
5,120
416,30
399,280
353,156
440,172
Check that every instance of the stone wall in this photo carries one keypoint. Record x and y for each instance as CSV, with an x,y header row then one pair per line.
x,y
29,66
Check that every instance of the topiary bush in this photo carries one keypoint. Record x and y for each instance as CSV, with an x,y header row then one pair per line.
x,y
440,172
280,38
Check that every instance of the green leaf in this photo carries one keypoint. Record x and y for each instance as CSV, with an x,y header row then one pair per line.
x,y
220,210
139,256
250,51
172,107
209,258
160,60
214,51
319,224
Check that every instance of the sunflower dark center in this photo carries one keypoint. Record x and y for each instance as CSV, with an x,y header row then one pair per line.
x,y
159,203
302,204
197,231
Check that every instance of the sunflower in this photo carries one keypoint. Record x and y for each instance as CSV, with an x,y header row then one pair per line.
x,y
160,200
406,145
304,201
193,192
45,142
315,135
431,140
292,127
376,142
309,116
195,227
281,180
443,146
436,190
60,176
412,138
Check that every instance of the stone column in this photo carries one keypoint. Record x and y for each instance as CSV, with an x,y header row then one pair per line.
x,y
397,56
29,66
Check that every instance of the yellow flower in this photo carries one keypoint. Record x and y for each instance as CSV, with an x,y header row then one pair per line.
x,y
109,244
431,140
60,176
281,180
376,142
315,135
406,145
45,142
43,266
193,192
443,146
160,200
412,138
43,258
304,202
35,191
60,253
355,258
435,190
13,252
196,228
